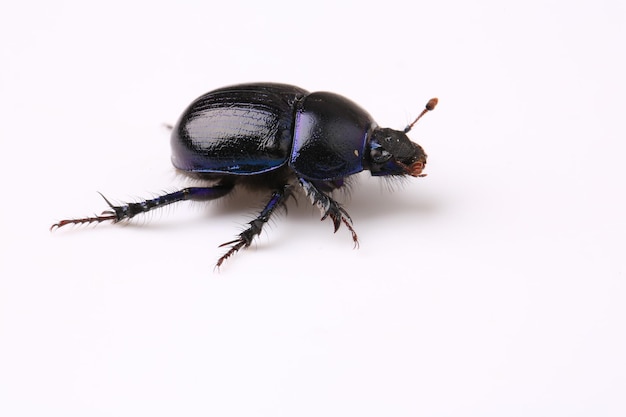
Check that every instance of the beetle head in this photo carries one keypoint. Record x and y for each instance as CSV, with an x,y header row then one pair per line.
x,y
392,153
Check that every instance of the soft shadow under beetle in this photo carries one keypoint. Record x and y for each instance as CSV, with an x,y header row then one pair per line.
x,y
276,137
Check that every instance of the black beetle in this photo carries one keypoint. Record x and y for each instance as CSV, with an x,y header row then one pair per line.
x,y
273,136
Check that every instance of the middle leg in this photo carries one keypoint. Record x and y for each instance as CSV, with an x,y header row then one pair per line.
x,y
245,238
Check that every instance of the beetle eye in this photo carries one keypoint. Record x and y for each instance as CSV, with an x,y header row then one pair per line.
x,y
380,155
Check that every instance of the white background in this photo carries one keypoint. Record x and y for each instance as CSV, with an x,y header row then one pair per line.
x,y
493,287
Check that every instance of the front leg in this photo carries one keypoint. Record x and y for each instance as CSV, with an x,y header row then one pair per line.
x,y
329,208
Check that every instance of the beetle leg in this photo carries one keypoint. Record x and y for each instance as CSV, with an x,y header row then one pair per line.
x,y
245,238
329,208
130,210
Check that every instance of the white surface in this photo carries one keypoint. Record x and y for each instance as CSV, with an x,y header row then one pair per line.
x,y
492,287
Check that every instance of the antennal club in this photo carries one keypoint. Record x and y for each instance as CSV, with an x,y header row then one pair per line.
x,y
430,106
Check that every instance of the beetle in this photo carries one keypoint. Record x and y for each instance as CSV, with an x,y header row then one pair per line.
x,y
275,137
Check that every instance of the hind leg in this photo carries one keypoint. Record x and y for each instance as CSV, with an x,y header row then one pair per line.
x,y
130,210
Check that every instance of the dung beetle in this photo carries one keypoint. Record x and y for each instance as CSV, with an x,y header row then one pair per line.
x,y
275,136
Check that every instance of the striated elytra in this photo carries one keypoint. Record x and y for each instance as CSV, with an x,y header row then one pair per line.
x,y
277,137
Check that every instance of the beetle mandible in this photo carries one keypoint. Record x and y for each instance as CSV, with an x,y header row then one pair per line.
x,y
276,136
